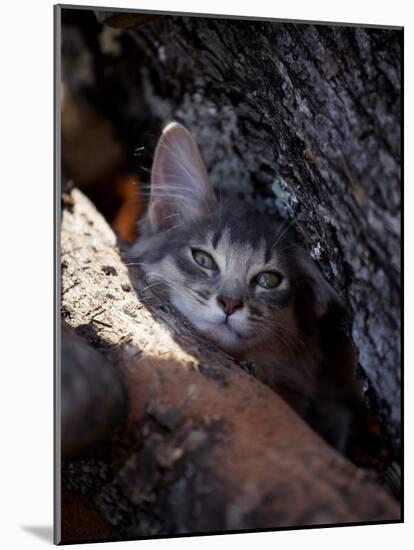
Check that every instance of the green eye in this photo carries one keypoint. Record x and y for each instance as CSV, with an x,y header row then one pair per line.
x,y
203,259
268,279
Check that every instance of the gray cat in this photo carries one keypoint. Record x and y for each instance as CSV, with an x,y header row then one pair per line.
x,y
241,280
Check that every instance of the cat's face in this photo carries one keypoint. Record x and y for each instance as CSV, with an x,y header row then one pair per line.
x,y
224,274
232,272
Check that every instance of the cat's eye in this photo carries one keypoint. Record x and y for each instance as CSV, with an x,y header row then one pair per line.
x,y
203,259
268,279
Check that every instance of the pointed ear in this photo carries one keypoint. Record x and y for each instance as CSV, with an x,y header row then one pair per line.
x,y
179,182
325,297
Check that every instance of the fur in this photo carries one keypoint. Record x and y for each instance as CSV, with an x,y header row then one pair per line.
x,y
278,328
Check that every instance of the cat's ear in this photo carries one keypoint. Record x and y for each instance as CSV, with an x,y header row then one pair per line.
x,y
179,181
325,298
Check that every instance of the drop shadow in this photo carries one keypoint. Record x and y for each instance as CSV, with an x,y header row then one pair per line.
x,y
43,532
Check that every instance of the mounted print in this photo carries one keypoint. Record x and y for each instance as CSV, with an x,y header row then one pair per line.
x,y
229,274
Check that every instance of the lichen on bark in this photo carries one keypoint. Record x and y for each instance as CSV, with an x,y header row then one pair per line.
x,y
301,119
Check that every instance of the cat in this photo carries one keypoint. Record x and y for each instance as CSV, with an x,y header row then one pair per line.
x,y
245,284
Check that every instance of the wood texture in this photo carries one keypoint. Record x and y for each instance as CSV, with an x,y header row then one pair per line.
x,y
304,120
94,398
206,447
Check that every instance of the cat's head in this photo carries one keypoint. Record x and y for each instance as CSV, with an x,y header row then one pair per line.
x,y
234,273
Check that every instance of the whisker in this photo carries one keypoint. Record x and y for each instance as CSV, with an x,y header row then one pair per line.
x,y
171,216
283,230
173,227
177,285
151,285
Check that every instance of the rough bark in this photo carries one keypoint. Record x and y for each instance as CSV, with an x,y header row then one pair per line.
x,y
93,389
309,117
206,446
302,119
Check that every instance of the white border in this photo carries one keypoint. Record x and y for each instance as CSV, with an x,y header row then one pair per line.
x,y
26,220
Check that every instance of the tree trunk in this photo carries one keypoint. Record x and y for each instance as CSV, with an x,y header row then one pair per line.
x,y
206,447
305,121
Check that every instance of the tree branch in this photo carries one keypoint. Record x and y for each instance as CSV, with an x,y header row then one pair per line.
x,y
206,446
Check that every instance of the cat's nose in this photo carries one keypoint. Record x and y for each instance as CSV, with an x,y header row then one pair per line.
x,y
229,305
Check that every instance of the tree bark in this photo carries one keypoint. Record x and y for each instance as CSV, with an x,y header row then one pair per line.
x,y
94,399
304,120
206,447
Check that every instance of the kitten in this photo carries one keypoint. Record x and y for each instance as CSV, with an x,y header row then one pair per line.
x,y
241,280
